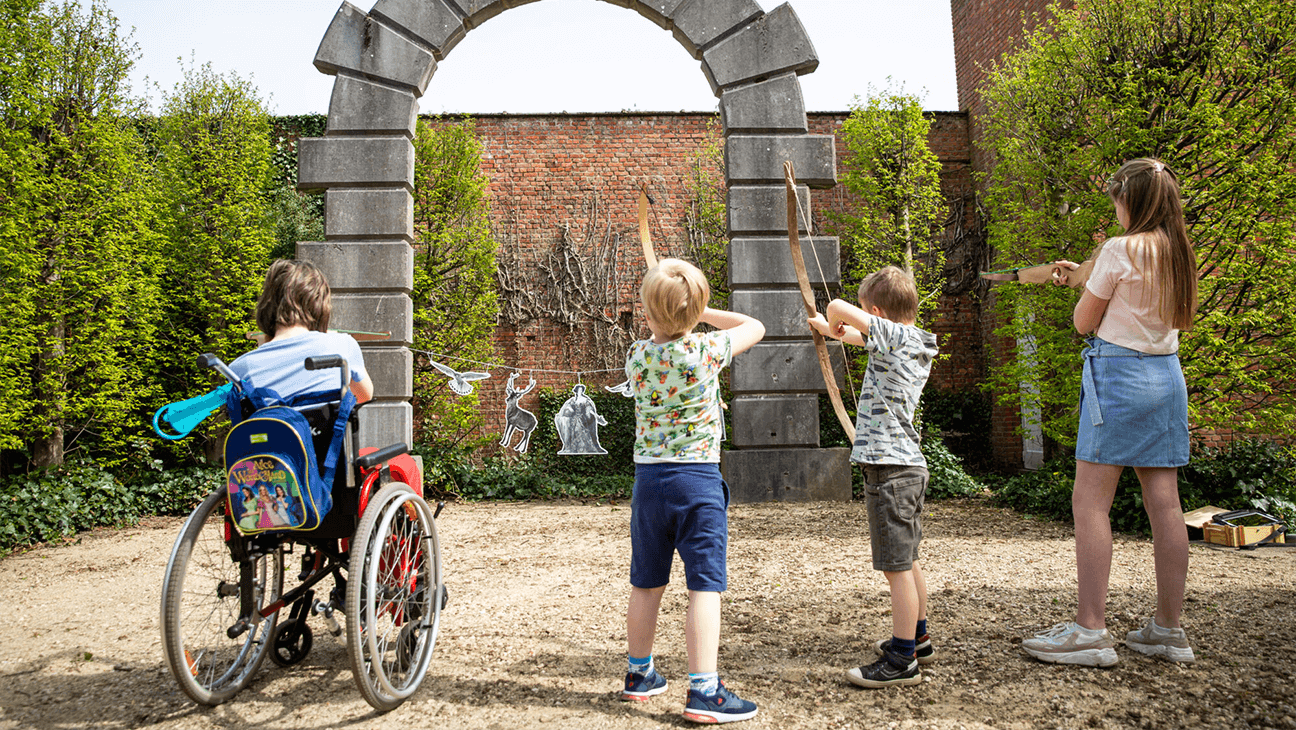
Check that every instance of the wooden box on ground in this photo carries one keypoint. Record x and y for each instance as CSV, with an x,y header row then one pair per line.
x,y
1238,535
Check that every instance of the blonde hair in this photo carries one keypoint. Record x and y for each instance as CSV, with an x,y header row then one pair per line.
x,y
674,293
893,291
1149,190
294,293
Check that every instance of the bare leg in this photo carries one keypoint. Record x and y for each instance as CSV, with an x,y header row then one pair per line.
x,y
1169,540
905,605
1095,487
702,631
920,584
641,619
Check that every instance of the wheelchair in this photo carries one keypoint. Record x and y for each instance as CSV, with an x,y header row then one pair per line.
x,y
223,596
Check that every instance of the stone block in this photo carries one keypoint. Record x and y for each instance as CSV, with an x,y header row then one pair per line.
x,y
764,421
357,43
359,214
361,106
477,12
352,266
774,44
762,209
783,367
375,313
767,262
787,475
392,370
432,22
325,162
780,310
658,11
702,23
768,106
759,159
383,423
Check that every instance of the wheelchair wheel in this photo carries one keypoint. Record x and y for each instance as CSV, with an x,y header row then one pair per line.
x,y
393,596
201,601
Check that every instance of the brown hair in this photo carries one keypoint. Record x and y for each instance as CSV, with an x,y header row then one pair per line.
x,y
294,293
1158,236
893,291
674,293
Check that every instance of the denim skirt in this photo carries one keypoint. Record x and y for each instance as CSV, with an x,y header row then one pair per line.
x,y
1133,408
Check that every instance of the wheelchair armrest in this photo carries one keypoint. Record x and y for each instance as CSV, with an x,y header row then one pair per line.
x,y
381,455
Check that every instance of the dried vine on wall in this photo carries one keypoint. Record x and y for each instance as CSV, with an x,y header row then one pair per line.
x,y
577,284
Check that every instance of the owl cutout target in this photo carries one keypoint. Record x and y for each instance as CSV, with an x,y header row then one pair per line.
x,y
577,423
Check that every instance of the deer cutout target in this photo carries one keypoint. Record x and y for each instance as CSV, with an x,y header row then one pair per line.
x,y
517,418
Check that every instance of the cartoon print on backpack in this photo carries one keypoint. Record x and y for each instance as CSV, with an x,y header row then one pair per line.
x,y
263,495
518,419
577,423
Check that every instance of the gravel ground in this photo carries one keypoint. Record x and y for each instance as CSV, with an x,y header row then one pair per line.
x,y
535,631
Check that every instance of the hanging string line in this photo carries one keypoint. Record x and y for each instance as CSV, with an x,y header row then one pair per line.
x,y
494,366
804,214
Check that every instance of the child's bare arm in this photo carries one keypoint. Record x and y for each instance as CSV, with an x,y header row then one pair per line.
x,y
842,331
842,312
744,331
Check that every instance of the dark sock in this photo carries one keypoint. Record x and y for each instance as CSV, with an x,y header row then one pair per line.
x,y
903,647
922,630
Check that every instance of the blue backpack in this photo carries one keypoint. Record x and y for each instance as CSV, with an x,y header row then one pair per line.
x,y
273,482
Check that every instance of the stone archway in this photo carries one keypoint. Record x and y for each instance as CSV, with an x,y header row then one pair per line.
x,y
384,60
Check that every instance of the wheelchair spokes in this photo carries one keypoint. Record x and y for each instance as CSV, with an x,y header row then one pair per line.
x,y
205,596
392,617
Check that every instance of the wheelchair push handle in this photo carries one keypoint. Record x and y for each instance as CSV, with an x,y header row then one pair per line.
x,y
324,362
211,362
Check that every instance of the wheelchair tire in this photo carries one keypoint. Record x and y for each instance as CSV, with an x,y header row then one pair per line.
x,y
291,645
393,606
200,602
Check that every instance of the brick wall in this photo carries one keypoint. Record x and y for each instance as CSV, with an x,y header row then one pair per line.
x,y
578,175
984,30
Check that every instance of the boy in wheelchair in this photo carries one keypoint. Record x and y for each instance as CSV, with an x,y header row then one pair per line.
x,y
223,594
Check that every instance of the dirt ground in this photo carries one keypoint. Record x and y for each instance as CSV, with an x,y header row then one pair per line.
x,y
535,631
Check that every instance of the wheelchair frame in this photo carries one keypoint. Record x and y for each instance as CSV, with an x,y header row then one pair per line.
x,y
223,592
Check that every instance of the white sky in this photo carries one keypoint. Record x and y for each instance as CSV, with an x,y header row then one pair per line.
x,y
549,56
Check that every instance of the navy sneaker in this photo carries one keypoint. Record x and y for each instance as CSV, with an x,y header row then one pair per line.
x,y
639,687
723,706
926,654
890,669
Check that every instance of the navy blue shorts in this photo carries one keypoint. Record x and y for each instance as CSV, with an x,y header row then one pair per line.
x,y
679,507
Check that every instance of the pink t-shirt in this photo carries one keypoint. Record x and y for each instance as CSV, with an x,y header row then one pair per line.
x,y
1132,319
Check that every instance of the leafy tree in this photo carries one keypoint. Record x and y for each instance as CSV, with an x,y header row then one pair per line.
x,y
295,216
706,221
77,312
895,178
214,151
1204,85
454,295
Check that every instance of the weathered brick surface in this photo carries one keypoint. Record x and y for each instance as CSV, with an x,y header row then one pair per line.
x,y
582,172
983,32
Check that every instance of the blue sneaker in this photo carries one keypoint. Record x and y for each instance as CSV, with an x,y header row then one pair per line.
x,y
723,706
639,687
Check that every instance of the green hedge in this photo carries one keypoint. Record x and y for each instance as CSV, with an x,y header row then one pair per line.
x,y
50,505
1248,474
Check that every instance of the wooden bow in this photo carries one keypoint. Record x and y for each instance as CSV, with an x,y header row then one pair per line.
x,y
645,235
807,299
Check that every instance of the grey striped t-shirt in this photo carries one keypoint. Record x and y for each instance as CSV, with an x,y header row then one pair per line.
x,y
900,358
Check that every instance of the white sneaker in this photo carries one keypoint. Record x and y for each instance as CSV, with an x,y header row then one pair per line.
x,y
1071,643
1154,640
